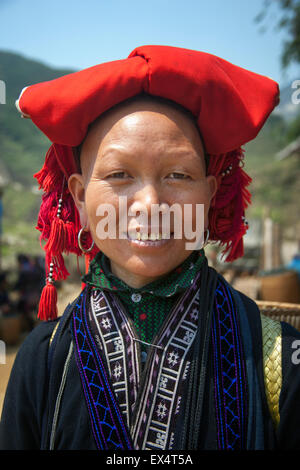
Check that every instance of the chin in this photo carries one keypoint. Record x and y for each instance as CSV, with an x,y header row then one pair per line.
x,y
149,270
147,265
151,266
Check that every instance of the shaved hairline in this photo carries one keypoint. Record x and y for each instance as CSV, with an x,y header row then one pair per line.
x,y
142,97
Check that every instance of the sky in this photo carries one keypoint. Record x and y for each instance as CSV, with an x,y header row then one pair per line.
x,y
76,34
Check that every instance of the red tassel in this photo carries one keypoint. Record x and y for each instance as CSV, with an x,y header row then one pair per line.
x,y
59,271
48,303
71,238
57,238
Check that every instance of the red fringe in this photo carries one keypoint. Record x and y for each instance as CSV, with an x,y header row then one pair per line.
x,y
57,239
48,303
48,177
71,238
60,272
229,204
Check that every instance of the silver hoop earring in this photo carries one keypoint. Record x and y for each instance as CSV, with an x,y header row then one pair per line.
x,y
84,250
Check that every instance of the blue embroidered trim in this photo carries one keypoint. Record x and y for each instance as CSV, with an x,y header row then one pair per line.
x,y
230,383
108,427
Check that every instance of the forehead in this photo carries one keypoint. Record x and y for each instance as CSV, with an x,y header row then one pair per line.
x,y
141,121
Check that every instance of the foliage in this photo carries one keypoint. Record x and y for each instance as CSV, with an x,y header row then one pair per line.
x,y
276,183
293,131
290,21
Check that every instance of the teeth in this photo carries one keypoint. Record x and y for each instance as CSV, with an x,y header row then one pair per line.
x,y
153,236
145,237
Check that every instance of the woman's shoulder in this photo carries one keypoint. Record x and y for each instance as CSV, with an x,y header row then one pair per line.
x,y
45,332
242,301
44,335
39,337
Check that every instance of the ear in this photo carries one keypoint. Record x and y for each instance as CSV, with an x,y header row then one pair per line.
x,y
77,190
213,187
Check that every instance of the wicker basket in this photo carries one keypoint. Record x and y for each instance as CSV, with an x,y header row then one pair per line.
x,y
280,287
290,313
10,329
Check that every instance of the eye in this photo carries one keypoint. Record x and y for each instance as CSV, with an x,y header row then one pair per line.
x,y
179,176
119,174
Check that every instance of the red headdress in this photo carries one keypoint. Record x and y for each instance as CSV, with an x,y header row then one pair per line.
x,y
230,105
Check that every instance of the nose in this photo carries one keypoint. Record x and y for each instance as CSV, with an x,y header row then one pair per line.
x,y
145,199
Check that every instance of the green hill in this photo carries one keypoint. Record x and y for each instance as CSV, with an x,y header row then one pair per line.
x,y
22,151
23,147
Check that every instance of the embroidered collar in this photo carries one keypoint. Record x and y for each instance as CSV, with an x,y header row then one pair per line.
x,y
100,276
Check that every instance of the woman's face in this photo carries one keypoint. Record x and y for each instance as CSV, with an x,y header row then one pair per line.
x,y
146,154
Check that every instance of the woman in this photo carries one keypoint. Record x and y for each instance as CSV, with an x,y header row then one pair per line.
x,y
158,351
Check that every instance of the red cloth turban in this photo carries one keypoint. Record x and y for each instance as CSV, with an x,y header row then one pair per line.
x,y
230,105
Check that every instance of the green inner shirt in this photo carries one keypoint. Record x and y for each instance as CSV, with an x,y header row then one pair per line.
x,y
149,305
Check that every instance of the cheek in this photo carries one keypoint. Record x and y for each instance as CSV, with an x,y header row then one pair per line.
x,y
191,218
97,194
199,216
198,195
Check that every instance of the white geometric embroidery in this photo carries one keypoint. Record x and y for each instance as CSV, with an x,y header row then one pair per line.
x,y
106,323
163,382
171,440
189,335
172,358
161,410
194,314
118,344
117,371
186,370
160,439
178,405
